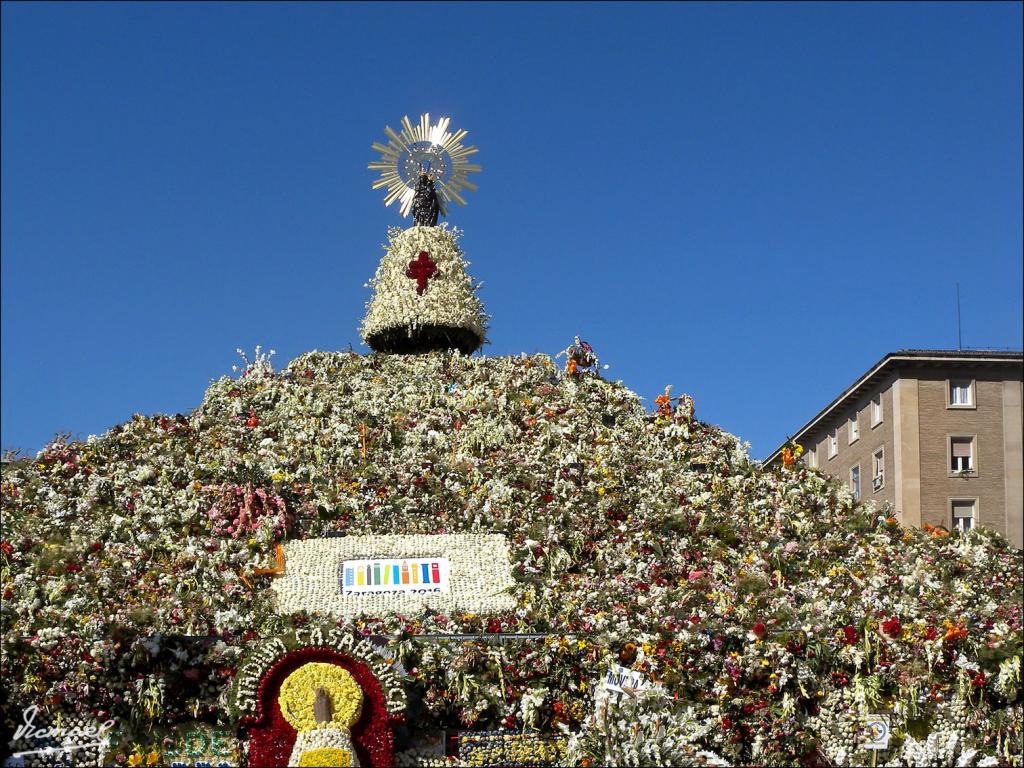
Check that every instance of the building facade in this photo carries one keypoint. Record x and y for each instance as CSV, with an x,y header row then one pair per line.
x,y
935,434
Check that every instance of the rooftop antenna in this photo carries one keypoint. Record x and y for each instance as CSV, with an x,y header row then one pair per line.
x,y
959,338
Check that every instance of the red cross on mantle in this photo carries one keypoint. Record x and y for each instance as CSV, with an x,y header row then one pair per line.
x,y
421,269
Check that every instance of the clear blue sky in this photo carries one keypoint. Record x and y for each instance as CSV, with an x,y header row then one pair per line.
x,y
750,202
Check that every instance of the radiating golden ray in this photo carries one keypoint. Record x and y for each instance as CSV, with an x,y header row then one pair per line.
x,y
402,157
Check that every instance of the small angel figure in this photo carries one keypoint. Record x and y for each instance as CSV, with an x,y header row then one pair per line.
x,y
580,358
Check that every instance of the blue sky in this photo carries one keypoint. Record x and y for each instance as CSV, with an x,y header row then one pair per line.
x,y
752,203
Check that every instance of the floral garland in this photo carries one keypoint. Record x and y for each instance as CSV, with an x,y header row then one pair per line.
x,y
263,682
272,738
246,702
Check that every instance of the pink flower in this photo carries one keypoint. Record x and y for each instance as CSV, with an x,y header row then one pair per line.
x,y
695,575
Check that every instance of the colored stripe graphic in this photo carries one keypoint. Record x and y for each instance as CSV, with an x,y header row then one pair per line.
x,y
359,577
387,574
414,573
426,573
435,571
349,577
398,579
376,573
405,573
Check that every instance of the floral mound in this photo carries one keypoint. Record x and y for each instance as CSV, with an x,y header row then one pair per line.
x,y
766,613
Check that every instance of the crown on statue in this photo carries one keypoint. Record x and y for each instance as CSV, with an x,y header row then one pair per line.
x,y
424,168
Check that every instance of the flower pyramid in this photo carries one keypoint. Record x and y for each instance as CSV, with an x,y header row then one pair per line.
x,y
423,298
758,615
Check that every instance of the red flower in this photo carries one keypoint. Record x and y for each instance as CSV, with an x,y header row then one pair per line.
x,y
726,723
979,680
850,635
254,420
72,568
931,633
892,626
6,548
760,630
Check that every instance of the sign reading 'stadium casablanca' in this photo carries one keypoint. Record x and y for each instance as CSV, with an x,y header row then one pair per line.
x,y
348,575
416,576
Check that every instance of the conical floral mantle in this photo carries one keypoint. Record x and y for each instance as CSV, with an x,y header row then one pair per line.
x,y
423,298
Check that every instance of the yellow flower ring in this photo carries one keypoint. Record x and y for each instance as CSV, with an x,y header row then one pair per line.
x,y
298,691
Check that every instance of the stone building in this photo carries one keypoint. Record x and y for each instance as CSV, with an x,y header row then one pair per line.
x,y
936,434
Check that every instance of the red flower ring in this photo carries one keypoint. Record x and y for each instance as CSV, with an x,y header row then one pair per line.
x,y
271,737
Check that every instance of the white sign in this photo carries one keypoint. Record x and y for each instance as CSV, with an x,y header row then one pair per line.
x,y
620,679
474,573
877,731
414,575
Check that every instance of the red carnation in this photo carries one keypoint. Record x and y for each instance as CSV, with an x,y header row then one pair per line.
x,y
254,420
851,634
892,626
760,630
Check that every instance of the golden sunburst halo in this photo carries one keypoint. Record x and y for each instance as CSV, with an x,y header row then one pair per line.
x,y
432,148
298,692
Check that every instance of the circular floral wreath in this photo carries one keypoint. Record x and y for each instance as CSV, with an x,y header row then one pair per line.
x,y
257,694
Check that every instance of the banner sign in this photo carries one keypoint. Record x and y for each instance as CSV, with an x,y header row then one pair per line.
x,y
420,576
408,574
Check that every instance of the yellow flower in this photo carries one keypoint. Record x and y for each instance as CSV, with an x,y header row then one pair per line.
x,y
326,756
299,690
135,760
152,758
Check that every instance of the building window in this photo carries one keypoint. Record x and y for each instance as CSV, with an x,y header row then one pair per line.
x,y
961,394
854,428
963,513
855,482
878,470
833,444
811,458
961,454
876,411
